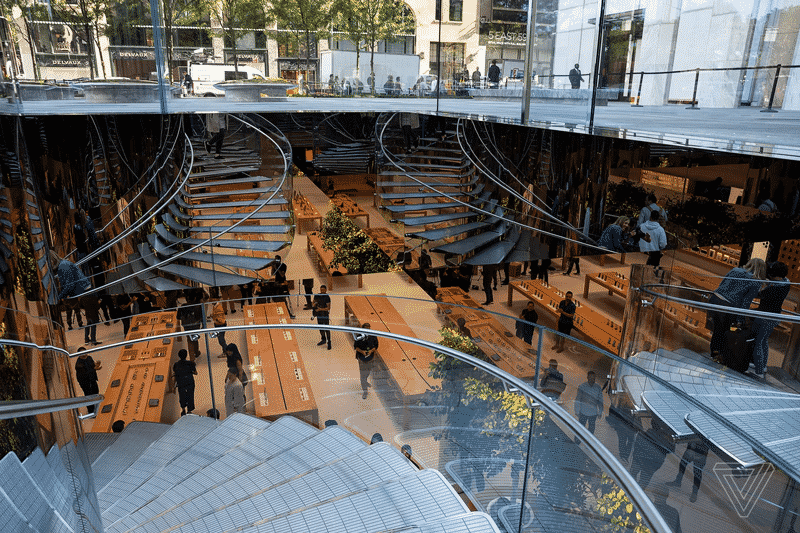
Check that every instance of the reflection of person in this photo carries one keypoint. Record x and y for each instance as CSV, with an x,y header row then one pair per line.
x,y
696,453
737,290
217,126
575,77
525,327
322,310
771,300
409,122
621,423
494,75
649,453
589,402
365,346
184,372
86,374
566,318
234,394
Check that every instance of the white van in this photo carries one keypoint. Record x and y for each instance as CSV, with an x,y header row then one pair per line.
x,y
205,75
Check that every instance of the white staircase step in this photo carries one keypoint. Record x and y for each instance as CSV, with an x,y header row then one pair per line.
x,y
11,517
129,445
184,432
324,447
467,523
26,496
181,482
76,463
232,432
54,491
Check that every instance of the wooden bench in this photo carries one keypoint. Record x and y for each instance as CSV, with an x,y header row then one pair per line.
x,y
601,331
615,283
277,374
305,212
138,383
408,364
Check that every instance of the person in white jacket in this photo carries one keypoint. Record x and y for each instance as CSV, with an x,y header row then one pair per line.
x,y
654,239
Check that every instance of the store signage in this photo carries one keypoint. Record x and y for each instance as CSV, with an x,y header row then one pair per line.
x,y
55,61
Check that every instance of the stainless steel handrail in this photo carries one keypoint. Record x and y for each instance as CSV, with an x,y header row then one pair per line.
x,y
21,408
601,454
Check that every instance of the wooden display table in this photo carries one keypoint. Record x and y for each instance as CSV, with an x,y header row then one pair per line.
x,y
277,373
600,330
138,383
723,256
324,258
305,212
505,349
349,207
615,283
392,244
408,364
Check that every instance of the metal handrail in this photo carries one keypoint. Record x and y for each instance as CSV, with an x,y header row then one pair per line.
x,y
21,408
601,454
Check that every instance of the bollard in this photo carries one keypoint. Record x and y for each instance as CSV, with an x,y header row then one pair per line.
x,y
639,94
772,94
694,94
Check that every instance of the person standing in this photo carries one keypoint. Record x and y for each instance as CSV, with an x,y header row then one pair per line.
x,y
321,308
86,374
476,78
220,321
124,304
771,300
190,315
488,273
409,122
653,240
308,289
365,346
183,372
737,290
575,77
188,84
217,126
589,402
573,258
525,326
650,206
231,355
566,320
615,236
91,307
696,453
494,75
234,394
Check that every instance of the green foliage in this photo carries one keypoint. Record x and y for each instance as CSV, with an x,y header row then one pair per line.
x,y
27,280
352,248
706,222
626,198
235,16
309,19
17,434
613,504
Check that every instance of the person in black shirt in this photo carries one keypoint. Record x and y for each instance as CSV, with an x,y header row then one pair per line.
x,y
86,374
322,309
183,372
191,317
425,262
231,355
525,330
124,304
771,300
366,346
567,309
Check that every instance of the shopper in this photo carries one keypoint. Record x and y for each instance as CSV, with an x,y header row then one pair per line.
x,y
234,394
494,75
217,126
365,346
589,402
525,326
566,309
615,236
220,321
321,309
190,315
489,273
86,374
183,373
737,290
696,453
650,206
91,306
771,300
653,239
231,355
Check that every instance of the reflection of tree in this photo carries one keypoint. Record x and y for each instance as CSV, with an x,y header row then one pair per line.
x,y
613,505
16,434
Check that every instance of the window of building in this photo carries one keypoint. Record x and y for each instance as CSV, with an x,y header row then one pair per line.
x,y
510,11
456,10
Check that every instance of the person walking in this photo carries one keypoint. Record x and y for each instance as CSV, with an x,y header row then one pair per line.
x,y
589,402
183,372
476,78
573,258
190,316
220,321
653,239
86,374
231,355
409,122
696,453
566,320
91,307
365,346
737,290
525,326
234,394
651,204
488,273
575,77
494,75
771,300
321,308
217,126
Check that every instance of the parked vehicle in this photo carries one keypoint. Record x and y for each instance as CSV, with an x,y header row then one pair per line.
x,y
205,75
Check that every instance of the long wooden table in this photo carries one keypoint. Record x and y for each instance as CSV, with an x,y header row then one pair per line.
x,y
507,351
277,373
602,331
139,381
408,364
392,244
305,212
615,282
324,258
349,207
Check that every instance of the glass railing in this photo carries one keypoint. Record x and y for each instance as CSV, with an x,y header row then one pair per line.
x,y
505,446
